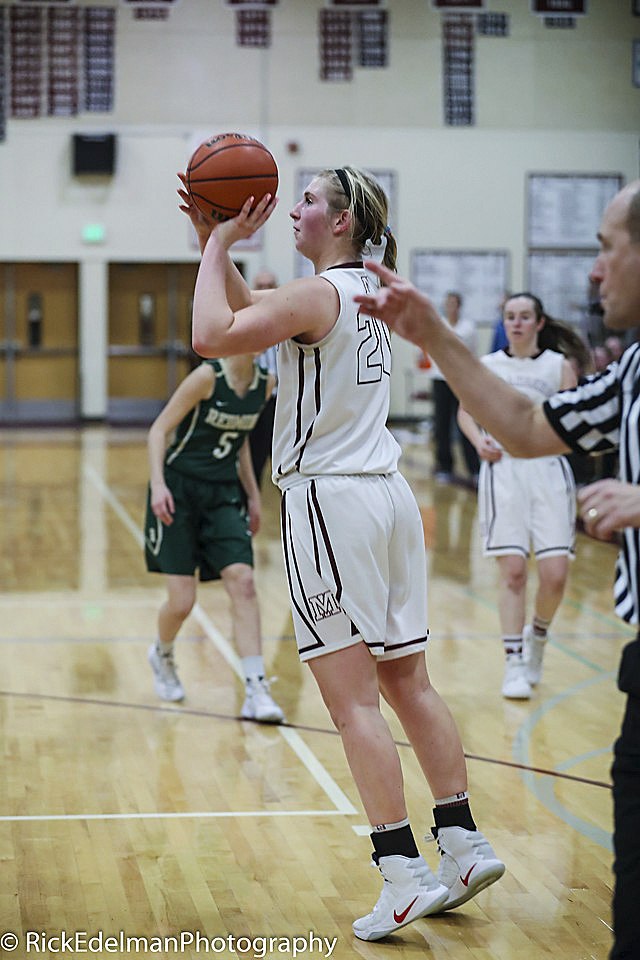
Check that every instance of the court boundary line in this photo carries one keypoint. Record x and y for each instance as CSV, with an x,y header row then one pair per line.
x,y
169,815
544,789
176,710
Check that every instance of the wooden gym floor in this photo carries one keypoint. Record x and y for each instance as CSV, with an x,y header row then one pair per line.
x,y
202,835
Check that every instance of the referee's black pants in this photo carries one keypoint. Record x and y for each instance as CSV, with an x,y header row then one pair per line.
x,y
626,813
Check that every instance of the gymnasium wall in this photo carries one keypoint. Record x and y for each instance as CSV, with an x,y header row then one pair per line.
x,y
546,100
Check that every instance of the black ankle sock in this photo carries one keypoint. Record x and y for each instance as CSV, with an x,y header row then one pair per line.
x,y
453,816
399,843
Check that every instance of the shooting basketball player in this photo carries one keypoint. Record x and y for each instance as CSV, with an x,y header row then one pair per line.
x,y
352,536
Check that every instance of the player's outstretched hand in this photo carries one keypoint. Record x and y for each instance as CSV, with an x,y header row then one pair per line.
x,y
400,305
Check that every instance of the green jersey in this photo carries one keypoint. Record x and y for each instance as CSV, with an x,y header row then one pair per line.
x,y
208,439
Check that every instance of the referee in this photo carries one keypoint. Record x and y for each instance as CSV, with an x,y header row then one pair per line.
x,y
600,415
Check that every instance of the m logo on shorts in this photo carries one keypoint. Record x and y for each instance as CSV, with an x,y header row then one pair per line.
x,y
324,605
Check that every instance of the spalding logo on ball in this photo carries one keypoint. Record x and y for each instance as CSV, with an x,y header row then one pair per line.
x,y
227,169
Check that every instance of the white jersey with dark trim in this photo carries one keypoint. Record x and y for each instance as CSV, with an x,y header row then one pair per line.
x,y
536,377
333,395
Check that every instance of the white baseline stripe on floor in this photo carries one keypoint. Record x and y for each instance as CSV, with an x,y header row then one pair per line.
x,y
295,741
210,815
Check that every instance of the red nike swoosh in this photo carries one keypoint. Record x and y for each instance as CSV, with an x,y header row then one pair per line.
x,y
401,917
465,880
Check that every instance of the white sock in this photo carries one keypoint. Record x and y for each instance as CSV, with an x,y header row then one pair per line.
x,y
540,627
253,666
512,645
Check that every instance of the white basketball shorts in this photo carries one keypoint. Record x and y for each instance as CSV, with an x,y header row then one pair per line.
x,y
355,562
527,505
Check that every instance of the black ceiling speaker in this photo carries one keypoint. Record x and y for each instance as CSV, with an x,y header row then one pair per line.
x,y
94,153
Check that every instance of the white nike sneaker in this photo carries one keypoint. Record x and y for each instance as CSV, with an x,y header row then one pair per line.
x,y
515,685
410,891
533,652
258,703
468,864
165,676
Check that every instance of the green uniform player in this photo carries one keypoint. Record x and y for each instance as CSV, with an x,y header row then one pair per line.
x,y
203,507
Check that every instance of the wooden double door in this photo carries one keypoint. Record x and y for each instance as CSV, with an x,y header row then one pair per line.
x,y
39,376
148,339
149,349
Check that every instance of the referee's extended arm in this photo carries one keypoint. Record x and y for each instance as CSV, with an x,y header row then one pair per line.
x,y
518,423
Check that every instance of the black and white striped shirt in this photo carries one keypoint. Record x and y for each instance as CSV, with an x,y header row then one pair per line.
x,y
600,415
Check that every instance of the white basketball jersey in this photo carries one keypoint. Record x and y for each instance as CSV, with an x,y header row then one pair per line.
x,y
537,377
333,396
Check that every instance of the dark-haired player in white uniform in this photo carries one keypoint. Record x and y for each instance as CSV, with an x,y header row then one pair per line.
x,y
196,522
526,504
352,536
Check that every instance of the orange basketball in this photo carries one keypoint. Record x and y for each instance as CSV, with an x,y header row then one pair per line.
x,y
227,169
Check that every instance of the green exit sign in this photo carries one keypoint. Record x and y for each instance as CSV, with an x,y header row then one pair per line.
x,y
93,233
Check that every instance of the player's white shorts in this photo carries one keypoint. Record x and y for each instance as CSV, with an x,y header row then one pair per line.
x,y
355,562
527,504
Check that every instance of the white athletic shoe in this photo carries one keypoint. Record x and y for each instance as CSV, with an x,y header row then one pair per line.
x,y
533,653
259,704
468,864
410,891
515,685
165,678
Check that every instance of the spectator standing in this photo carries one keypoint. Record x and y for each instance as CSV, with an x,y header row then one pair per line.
x,y
445,402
